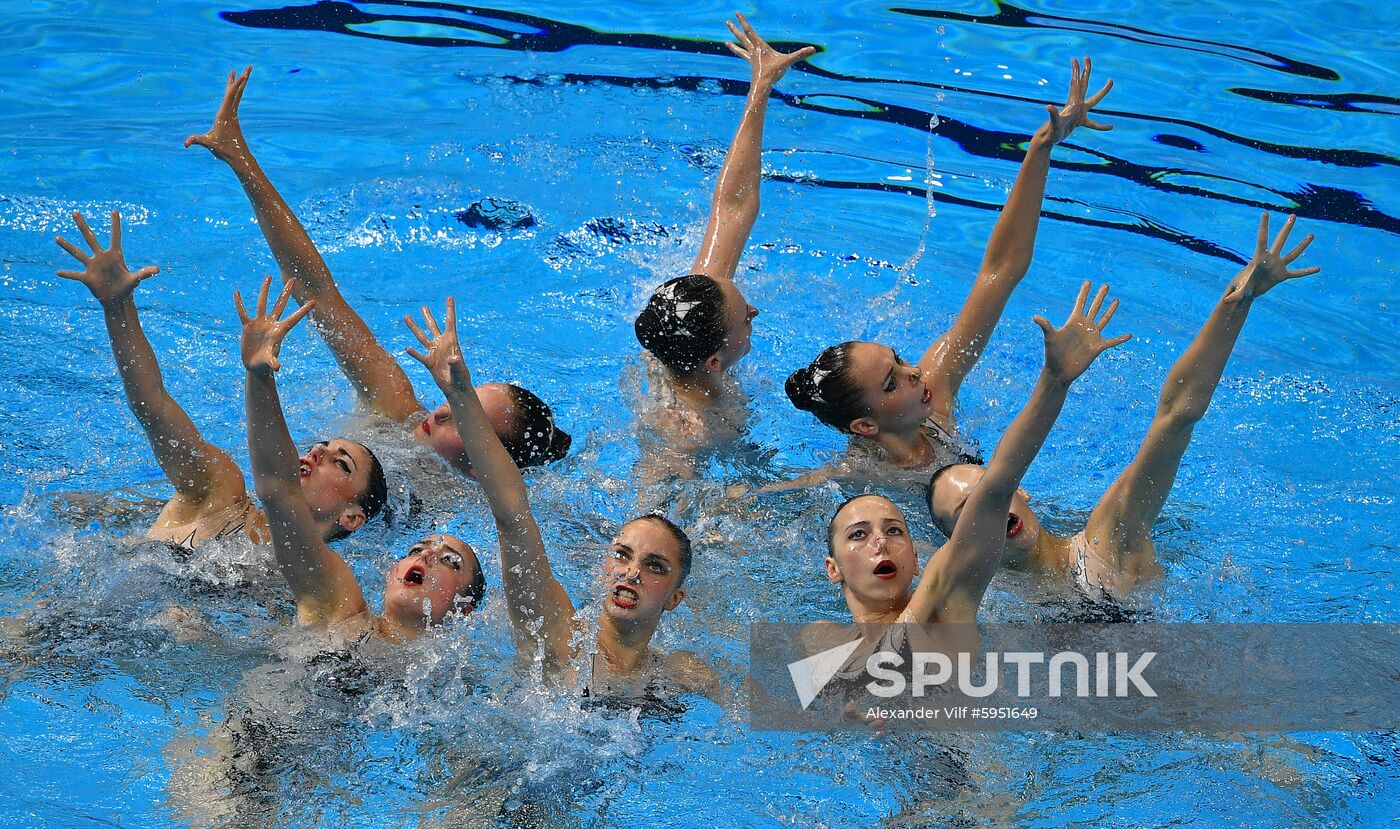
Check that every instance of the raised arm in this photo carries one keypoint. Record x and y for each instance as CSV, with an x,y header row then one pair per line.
x,y
735,205
540,611
1121,522
325,588
376,376
203,475
1009,249
957,576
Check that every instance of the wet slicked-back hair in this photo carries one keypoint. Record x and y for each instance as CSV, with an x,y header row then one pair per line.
x,y
375,494
827,388
535,439
683,323
474,592
942,526
682,540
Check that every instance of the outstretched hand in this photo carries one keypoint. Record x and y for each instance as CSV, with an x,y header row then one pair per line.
x,y
444,358
105,272
1075,112
1270,264
225,138
768,64
264,332
1070,350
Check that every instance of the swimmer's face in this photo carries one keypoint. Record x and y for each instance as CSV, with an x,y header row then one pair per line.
x,y
334,475
642,574
870,552
430,581
950,493
738,324
439,431
894,390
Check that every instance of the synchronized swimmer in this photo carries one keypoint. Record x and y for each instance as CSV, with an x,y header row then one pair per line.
x,y
693,329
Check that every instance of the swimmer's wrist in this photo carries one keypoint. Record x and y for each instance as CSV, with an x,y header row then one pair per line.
x,y
260,371
1053,379
115,304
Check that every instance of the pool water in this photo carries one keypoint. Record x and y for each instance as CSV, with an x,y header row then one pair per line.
x,y
887,156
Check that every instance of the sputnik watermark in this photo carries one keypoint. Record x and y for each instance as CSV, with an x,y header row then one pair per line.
x,y
1095,676
811,675
1111,674
891,683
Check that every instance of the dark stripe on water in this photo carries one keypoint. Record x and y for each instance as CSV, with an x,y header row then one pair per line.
x,y
530,33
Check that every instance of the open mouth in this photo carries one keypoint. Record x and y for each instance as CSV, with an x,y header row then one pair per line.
x,y
304,468
427,430
928,395
624,597
414,576
886,570
1013,525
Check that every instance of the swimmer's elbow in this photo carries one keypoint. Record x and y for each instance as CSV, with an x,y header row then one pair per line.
x,y
998,485
737,203
1182,410
274,490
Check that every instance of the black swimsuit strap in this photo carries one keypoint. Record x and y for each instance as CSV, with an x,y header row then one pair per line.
x,y
952,444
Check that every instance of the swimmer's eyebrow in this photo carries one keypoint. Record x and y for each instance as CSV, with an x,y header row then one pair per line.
x,y
850,527
348,459
894,354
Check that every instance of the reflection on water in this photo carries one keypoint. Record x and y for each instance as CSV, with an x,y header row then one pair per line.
x,y
515,31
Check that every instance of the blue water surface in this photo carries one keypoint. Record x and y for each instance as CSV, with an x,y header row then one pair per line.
x,y
888,155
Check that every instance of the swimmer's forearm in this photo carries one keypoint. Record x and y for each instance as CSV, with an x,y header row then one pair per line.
x,y
739,178
1191,383
324,587
270,447
136,360
1023,440
495,469
734,207
189,462
1012,243
957,576
376,377
1005,262
539,609
291,245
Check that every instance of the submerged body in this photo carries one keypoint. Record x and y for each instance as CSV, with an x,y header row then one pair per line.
x,y
695,328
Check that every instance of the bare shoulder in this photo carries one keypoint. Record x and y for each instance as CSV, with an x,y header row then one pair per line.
x,y
691,672
681,427
824,635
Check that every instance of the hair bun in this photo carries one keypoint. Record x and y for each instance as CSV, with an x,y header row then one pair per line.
x,y
800,389
559,444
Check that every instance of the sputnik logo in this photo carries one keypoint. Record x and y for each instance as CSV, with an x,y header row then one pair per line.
x,y
810,675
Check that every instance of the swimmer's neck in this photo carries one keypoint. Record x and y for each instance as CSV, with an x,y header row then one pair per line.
x,y
876,613
1051,553
700,389
906,450
625,646
393,630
